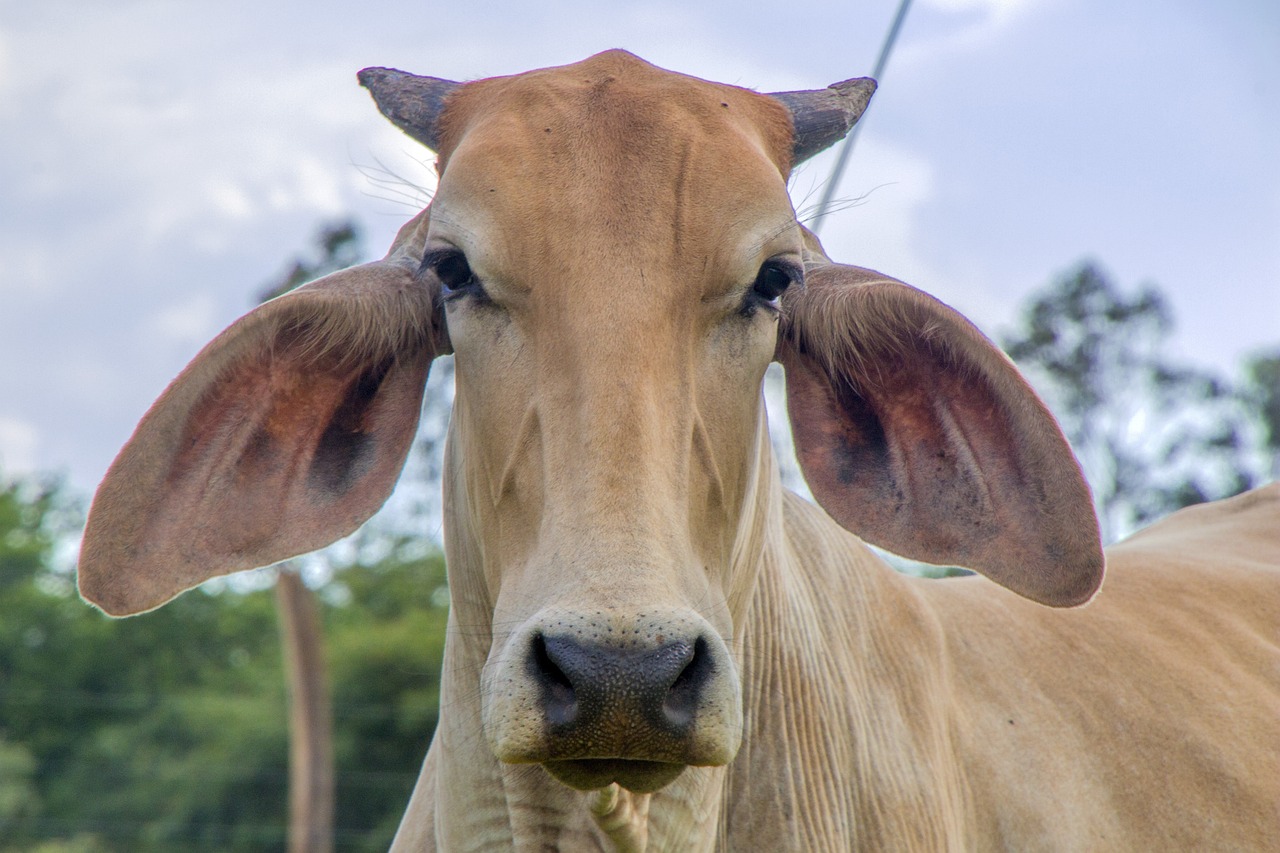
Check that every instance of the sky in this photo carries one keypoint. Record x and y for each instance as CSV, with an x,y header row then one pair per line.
x,y
161,160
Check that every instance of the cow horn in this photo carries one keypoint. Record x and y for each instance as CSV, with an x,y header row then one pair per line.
x,y
412,103
822,117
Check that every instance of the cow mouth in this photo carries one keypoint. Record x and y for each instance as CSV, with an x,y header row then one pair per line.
x,y
590,774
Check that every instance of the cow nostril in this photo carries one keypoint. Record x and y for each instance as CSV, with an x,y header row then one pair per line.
x,y
560,700
582,684
681,701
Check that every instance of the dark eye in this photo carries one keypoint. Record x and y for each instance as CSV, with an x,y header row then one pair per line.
x,y
774,277
451,268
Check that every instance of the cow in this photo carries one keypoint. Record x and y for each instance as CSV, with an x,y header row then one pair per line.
x,y
652,644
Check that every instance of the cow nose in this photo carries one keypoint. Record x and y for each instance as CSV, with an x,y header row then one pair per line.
x,y
585,683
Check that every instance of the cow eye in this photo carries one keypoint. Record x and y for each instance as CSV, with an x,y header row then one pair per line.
x,y
775,276
451,268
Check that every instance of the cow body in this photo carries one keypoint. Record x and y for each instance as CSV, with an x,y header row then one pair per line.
x,y
905,714
1148,720
652,645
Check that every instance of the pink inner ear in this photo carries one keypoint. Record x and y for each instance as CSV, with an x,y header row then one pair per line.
x,y
916,433
281,436
277,438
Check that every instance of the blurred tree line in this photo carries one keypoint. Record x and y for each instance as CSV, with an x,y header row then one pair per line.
x,y
167,732
1152,432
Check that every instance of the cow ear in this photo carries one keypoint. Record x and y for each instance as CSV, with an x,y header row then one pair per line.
x,y
283,435
916,433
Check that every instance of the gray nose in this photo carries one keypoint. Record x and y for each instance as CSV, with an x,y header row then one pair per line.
x,y
589,685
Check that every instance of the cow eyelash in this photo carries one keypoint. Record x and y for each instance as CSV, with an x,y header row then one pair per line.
x,y
774,277
450,267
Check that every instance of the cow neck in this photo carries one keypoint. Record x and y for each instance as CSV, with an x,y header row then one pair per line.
x,y
480,803
847,733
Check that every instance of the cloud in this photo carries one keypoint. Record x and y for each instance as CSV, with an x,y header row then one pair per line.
x,y
8,84
162,159
190,322
965,26
998,9
229,199
877,208
27,265
19,442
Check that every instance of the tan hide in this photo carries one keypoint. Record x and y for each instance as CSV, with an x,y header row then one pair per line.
x,y
652,645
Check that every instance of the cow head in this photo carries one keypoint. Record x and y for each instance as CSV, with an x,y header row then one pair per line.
x,y
612,258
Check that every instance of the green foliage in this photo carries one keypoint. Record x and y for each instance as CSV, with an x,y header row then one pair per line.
x,y
1262,374
115,714
384,648
1152,435
18,797
166,732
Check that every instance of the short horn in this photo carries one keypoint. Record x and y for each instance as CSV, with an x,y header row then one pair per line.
x,y
412,103
822,117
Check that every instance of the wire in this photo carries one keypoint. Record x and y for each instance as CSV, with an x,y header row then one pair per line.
x,y
877,74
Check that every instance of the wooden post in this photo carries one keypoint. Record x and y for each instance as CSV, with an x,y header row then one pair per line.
x,y
310,718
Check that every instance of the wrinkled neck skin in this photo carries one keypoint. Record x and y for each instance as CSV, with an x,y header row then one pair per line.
x,y
481,803
798,782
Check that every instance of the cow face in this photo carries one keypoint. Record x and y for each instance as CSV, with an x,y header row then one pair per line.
x,y
611,296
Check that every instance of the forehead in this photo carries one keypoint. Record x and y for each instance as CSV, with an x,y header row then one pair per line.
x,y
614,146
618,95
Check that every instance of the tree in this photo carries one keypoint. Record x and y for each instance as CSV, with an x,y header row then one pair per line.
x,y
311,772
1262,375
386,648
101,720
1152,435
166,731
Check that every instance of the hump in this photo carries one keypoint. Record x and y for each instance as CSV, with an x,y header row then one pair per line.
x,y
1241,529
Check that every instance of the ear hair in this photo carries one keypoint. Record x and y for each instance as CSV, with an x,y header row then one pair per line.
x,y
892,319
357,326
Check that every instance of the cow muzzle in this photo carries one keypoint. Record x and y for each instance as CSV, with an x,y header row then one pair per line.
x,y
597,698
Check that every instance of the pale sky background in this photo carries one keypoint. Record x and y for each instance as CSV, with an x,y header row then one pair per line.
x,y
161,160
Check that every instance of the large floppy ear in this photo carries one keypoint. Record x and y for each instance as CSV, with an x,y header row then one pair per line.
x,y
284,434
915,432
